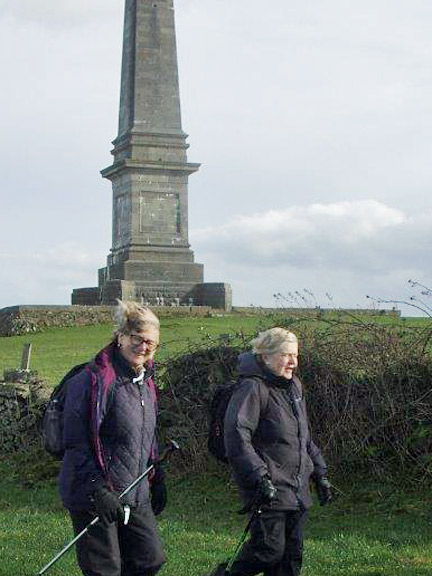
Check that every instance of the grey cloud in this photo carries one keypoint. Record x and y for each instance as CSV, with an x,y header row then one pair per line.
x,y
302,103
340,112
363,236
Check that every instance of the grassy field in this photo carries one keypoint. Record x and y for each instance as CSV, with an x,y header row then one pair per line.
x,y
56,350
369,531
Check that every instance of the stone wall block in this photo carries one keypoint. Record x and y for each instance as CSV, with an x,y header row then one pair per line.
x,y
21,410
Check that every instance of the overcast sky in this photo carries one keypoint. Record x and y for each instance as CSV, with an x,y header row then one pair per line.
x,y
312,120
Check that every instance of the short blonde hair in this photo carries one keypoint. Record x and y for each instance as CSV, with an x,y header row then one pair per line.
x,y
131,317
271,341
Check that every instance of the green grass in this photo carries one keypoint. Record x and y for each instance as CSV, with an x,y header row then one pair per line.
x,y
56,350
366,532
370,531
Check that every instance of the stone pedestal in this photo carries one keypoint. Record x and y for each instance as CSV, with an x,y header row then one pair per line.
x,y
214,294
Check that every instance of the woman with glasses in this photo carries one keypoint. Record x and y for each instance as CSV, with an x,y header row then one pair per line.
x,y
109,435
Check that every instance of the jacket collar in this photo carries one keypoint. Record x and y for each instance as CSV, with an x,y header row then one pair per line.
x,y
124,369
251,365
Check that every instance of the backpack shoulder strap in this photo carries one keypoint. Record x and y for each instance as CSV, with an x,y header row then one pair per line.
x,y
110,396
60,389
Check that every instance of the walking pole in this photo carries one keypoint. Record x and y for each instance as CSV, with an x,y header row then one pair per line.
x,y
231,561
172,447
224,568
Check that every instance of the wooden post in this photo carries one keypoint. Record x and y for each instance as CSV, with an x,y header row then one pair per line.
x,y
26,355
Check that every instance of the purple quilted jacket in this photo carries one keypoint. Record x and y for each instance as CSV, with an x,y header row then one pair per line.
x,y
109,430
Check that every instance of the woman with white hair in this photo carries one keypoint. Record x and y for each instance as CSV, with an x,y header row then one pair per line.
x,y
273,457
109,436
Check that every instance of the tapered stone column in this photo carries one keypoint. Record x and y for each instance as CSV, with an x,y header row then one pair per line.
x,y
150,258
150,171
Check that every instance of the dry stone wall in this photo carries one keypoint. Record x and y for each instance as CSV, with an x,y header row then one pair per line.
x,y
22,398
18,320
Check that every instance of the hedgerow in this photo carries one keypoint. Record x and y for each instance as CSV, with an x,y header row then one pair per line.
x,y
368,388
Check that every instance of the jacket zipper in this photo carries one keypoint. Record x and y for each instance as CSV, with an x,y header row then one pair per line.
x,y
296,413
140,381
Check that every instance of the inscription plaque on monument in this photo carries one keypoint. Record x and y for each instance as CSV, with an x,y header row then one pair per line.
x,y
159,210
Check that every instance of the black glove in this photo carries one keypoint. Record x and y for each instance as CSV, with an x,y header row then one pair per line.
x,y
107,505
324,490
264,494
158,491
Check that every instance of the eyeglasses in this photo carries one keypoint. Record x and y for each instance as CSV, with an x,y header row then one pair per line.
x,y
137,340
288,355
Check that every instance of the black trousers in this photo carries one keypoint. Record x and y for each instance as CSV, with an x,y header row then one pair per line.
x,y
275,546
117,550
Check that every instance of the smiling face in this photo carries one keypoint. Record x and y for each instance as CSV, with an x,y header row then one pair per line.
x,y
138,347
284,362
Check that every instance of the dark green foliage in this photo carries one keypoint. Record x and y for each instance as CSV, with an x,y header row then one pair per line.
x,y
369,390
368,387
367,381
189,382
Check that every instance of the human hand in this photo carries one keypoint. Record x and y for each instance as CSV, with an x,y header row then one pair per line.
x,y
324,490
107,505
266,492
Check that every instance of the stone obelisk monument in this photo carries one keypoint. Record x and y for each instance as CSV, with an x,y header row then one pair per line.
x,y
150,258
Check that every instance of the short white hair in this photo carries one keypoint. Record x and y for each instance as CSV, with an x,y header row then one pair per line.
x,y
271,341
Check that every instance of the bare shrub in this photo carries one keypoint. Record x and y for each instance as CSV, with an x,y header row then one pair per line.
x,y
189,382
368,387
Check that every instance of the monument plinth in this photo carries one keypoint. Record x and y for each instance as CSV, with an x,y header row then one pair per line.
x,y
150,257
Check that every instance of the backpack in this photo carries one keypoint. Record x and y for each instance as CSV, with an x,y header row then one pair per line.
x,y
52,423
218,408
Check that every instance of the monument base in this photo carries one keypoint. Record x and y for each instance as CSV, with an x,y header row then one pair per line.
x,y
212,294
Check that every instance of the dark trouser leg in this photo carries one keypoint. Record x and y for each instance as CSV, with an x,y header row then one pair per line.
x,y
140,545
275,546
117,550
292,559
265,547
98,550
